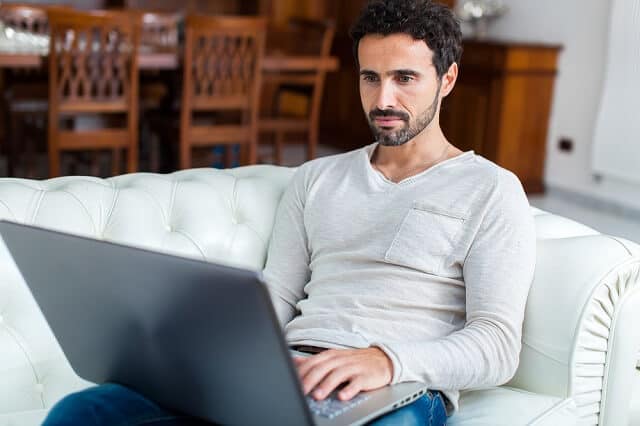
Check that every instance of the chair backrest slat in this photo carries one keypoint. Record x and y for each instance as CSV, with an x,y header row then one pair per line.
x,y
93,56
225,55
222,72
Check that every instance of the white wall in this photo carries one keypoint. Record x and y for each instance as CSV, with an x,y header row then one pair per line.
x,y
582,27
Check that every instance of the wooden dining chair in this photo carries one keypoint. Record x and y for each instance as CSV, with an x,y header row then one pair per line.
x,y
25,92
309,38
222,63
93,69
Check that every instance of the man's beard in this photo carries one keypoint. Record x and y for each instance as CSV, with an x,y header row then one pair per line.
x,y
409,130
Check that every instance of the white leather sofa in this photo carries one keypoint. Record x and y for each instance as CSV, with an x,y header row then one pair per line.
x,y
581,330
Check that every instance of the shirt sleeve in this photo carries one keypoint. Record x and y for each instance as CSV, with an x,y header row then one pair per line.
x,y
287,270
497,272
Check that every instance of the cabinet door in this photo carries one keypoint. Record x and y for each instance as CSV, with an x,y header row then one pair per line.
x,y
465,115
522,138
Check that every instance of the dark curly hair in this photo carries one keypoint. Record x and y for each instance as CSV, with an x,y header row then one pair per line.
x,y
421,19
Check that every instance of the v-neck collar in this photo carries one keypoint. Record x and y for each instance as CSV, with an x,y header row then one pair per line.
x,y
370,149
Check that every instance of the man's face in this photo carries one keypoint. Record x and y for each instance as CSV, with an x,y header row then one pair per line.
x,y
399,86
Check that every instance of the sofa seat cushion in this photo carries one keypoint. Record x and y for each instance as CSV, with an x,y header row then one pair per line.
x,y
501,406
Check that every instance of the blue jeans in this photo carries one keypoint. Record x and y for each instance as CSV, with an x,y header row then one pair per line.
x,y
116,405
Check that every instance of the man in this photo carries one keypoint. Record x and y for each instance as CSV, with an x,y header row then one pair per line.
x,y
403,260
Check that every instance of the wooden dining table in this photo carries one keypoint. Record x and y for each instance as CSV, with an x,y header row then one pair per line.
x,y
147,60
171,60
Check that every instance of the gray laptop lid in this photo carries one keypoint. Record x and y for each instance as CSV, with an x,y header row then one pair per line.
x,y
196,337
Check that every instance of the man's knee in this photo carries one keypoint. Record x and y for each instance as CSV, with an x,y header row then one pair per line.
x,y
71,408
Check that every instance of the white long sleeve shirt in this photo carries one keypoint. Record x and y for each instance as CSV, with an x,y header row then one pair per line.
x,y
434,270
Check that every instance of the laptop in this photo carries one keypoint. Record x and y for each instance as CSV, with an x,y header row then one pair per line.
x,y
196,337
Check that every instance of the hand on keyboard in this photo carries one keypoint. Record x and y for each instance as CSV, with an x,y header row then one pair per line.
x,y
361,370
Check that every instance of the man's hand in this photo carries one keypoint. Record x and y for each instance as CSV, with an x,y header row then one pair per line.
x,y
363,370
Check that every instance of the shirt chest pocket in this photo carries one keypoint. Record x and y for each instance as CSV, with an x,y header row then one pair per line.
x,y
426,238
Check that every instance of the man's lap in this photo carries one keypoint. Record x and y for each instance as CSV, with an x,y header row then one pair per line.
x,y
428,410
113,405
116,405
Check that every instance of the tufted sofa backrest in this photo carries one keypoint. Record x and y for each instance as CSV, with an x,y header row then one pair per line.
x,y
218,215
205,213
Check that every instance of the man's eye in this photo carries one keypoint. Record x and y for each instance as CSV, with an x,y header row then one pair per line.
x,y
405,78
369,78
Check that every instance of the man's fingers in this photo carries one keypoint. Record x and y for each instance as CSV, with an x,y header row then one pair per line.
x,y
352,389
361,370
310,363
316,373
335,378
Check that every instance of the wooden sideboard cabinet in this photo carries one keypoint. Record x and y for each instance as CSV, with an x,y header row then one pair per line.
x,y
501,103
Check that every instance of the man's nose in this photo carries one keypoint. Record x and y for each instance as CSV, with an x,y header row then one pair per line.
x,y
386,96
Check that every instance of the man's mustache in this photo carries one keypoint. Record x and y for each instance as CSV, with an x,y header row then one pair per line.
x,y
388,113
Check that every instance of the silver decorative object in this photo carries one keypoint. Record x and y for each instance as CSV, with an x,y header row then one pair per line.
x,y
478,13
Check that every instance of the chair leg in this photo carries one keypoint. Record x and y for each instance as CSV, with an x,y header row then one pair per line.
x,y
243,154
185,151
54,162
185,156
132,158
228,156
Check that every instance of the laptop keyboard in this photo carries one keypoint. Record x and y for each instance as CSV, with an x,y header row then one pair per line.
x,y
331,406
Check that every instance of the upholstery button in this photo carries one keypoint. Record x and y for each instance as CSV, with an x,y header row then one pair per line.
x,y
169,228
1,319
39,388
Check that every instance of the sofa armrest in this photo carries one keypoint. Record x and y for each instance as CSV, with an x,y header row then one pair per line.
x,y
579,338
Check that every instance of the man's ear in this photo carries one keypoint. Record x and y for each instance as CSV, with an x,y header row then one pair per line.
x,y
449,80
